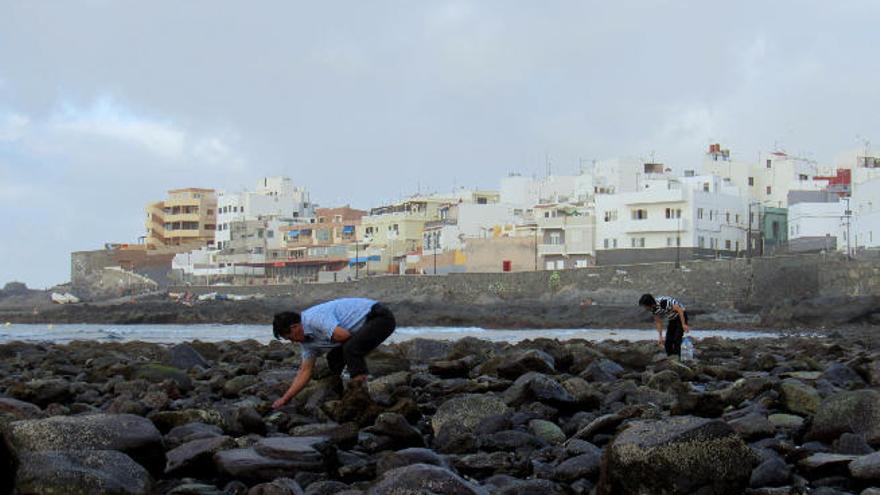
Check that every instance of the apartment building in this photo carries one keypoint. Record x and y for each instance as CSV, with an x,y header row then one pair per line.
x,y
396,229
273,197
768,181
185,220
565,236
670,219
339,225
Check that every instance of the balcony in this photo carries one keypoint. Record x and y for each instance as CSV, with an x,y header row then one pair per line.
x,y
652,196
155,211
656,225
551,249
181,217
156,229
562,222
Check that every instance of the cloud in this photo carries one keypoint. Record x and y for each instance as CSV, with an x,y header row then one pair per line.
x,y
343,58
106,118
12,194
85,172
13,127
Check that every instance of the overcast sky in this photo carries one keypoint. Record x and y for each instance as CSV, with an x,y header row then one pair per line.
x,y
104,105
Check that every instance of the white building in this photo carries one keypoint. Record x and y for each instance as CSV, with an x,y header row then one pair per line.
x,y
274,197
622,175
865,223
817,226
522,193
201,266
670,219
768,181
866,168
462,221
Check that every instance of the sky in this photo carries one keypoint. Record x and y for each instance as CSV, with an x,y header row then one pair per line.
x,y
105,105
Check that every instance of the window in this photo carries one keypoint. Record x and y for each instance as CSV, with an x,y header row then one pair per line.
x,y
769,190
639,214
259,233
737,218
320,219
605,244
701,242
610,215
550,265
711,215
668,241
482,201
769,164
270,234
337,219
580,263
705,186
210,211
727,245
727,217
737,245
637,242
751,181
670,213
560,264
803,177
700,213
555,238
614,243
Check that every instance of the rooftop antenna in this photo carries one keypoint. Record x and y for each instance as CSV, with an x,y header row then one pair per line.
x,y
549,166
866,142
